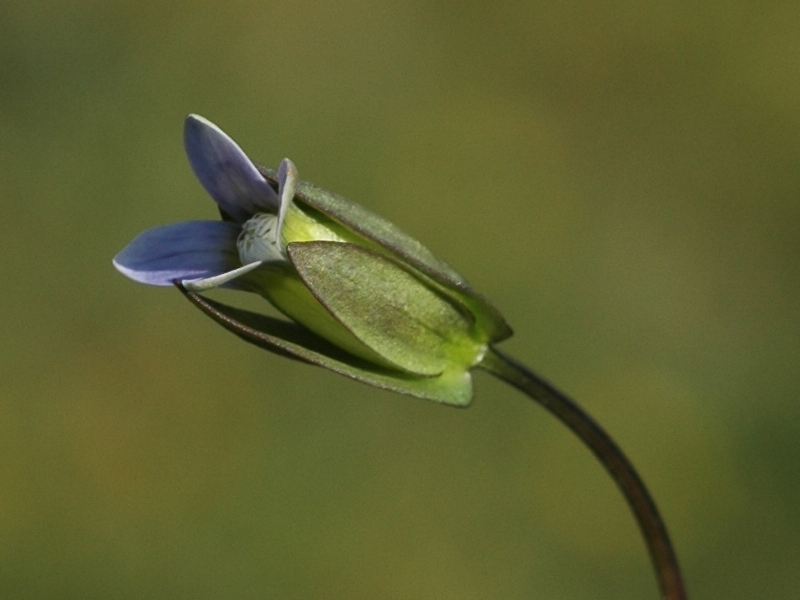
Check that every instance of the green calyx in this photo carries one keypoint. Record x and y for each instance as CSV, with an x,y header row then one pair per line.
x,y
369,305
352,222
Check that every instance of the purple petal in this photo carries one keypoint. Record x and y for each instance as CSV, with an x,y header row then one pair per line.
x,y
225,171
189,250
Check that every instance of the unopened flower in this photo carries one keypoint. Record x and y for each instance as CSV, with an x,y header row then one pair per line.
x,y
371,302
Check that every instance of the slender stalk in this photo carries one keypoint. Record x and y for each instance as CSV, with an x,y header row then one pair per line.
x,y
644,509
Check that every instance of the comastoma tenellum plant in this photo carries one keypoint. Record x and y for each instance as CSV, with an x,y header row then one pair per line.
x,y
361,298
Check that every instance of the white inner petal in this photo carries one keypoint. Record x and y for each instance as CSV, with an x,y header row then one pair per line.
x,y
260,239
209,283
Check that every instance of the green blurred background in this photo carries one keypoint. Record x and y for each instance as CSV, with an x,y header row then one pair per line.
x,y
621,178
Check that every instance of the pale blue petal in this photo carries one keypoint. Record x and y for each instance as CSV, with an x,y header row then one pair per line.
x,y
189,250
226,172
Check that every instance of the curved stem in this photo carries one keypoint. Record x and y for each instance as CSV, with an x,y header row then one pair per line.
x,y
644,509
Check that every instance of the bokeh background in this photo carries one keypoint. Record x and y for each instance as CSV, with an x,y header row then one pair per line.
x,y
621,178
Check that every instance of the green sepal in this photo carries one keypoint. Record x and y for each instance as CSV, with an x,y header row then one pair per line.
x,y
453,387
387,307
280,284
385,234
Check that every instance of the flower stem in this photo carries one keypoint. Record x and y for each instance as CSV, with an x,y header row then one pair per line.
x,y
644,509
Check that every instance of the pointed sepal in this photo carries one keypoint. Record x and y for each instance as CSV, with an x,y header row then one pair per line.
x,y
387,307
453,387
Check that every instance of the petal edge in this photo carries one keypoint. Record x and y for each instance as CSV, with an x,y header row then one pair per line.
x,y
226,172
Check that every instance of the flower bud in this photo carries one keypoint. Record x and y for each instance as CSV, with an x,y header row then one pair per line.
x,y
368,301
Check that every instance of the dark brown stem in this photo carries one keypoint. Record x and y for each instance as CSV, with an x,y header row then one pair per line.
x,y
644,509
